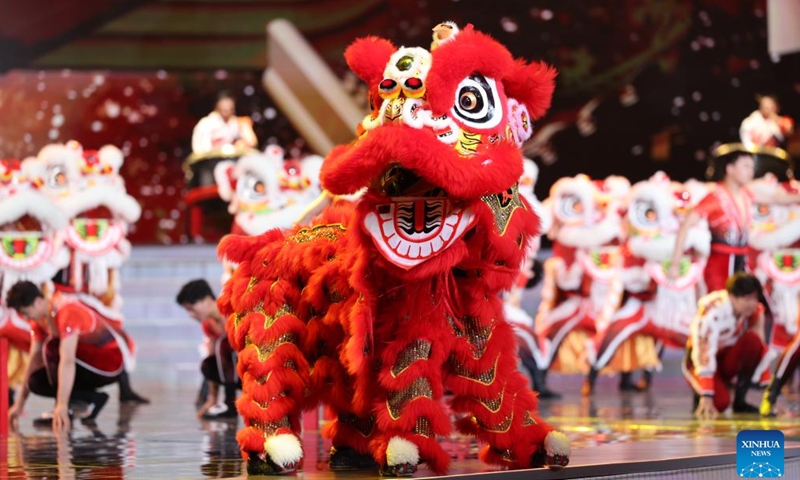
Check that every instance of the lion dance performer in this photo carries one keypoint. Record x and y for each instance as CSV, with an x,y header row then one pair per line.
x,y
378,309
653,308
31,248
583,271
88,187
775,235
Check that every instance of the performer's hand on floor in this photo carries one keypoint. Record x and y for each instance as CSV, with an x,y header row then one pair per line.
x,y
705,409
61,418
13,416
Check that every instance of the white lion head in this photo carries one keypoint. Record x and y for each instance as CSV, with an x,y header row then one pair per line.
x,y
264,191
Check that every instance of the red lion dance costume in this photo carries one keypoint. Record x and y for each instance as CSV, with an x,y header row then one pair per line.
x,y
377,308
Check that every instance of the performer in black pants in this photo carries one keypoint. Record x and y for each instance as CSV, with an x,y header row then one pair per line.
x,y
219,368
73,353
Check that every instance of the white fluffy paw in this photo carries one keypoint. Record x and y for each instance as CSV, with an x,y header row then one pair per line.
x,y
284,449
557,450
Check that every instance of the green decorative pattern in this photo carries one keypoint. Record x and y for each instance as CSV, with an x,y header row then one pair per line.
x,y
20,247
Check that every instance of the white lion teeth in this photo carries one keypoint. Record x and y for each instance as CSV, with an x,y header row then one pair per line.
x,y
447,232
436,244
403,248
406,250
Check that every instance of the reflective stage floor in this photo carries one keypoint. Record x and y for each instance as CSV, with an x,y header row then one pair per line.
x,y
613,433
165,440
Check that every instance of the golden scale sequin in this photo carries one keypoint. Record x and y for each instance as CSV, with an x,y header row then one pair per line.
x,y
423,427
282,310
493,404
503,206
264,351
330,232
265,405
420,387
528,419
417,350
485,378
268,429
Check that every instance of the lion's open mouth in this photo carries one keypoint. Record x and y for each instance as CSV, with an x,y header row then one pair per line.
x,y
23,244
94,231
417,221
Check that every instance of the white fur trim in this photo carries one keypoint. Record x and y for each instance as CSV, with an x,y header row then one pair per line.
x,y
33,168
617,187
35,204
556,443
401,451
312,165
221,172
265,167
58,154
283,449
587,237
258,224
111,156
783,236
118,201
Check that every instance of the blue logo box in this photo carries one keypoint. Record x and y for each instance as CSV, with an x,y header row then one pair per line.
x,y
759,454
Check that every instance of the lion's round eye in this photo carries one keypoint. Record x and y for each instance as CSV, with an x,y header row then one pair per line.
x,y
56,177
762,210
468,101
644,213
251,188
477,102
570,207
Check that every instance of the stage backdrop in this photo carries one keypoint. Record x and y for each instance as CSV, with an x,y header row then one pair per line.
x,y
643,85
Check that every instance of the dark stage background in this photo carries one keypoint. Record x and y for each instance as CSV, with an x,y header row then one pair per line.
x,y
643,85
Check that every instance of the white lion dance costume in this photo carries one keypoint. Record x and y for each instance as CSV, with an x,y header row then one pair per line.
x,y
87,186
583,271
775,238
264,191
31,248
652,307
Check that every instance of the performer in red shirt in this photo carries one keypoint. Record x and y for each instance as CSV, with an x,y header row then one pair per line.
x,y
219,367
727,209
73,352
726,342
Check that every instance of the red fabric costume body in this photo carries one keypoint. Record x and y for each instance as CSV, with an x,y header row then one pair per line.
x,y
729,227
378,308
98,349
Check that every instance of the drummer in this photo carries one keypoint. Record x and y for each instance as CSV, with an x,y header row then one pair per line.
x,y
222,127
